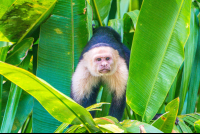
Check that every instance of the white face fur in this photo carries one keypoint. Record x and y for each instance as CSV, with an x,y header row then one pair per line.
x,y
101,61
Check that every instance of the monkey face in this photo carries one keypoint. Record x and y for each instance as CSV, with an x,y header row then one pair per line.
x,y
101,61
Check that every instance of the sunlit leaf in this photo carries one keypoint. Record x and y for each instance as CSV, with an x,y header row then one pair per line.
x,y
111,128
4,5
156,54
56,103
132,126
61,128
96,106
197,126
12,102
22,17
166,121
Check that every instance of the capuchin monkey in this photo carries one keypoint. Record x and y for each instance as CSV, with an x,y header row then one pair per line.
x,y
104,60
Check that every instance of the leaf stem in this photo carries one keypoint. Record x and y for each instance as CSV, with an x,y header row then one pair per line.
x,y
95,5
118,9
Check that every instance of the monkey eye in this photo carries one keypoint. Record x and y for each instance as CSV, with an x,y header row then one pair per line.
x,y
98,59
107,58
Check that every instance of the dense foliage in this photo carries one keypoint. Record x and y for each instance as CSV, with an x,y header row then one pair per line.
x,y
40,44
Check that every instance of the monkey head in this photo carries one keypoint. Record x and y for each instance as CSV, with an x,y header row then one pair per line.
x,y
101,60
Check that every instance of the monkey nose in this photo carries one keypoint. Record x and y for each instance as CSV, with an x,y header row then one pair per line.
x,y
104,65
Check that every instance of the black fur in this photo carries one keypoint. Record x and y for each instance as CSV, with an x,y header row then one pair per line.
x,y
106,36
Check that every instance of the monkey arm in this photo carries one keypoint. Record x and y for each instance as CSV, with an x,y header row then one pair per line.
x,y
117,106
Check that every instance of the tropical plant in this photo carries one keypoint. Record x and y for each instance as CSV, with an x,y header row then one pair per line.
x,y
40,44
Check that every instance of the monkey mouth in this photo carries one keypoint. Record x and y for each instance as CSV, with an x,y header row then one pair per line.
x,y
104,71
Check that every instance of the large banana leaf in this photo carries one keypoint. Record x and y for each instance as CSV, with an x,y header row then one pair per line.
x,y
4,5
22,17
57,104
62,39
156,54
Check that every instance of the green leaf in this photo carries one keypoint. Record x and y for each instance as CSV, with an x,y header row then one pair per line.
x,y
4,5
24,109
197,126
61,128
110,128
11,108
89,19
27,128
190,119
116,24
106,120
166,122
156,54
62,39
135,4
190,51
130,21
81,129
73,128
132,126
96,106
25,105
100,9
194,77
3,54
56,103
184,127
103,121
12,103
124,4
105,97
5,44
23,17
109,120
175,129
17,54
